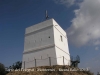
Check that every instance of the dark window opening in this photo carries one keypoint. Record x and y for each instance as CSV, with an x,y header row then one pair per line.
x,y
61,38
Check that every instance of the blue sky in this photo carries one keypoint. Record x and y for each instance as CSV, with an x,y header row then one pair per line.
x,y
79,18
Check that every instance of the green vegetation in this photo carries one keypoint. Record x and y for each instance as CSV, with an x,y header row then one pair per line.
x,y
16,65
2,69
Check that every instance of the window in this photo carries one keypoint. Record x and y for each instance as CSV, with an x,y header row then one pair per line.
x,y
61,38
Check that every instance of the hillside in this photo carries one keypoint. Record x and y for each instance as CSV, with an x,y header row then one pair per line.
x,y
51,70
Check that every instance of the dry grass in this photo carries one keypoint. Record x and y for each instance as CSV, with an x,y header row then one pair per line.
x,y
57,72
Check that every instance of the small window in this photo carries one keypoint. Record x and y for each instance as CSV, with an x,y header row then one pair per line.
x,y
61,38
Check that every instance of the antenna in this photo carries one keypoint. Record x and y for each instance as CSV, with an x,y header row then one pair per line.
x,y
46,15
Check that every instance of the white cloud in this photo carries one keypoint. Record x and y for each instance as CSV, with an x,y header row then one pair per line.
x,y
65,2
68,3
85,28
96,48
97,42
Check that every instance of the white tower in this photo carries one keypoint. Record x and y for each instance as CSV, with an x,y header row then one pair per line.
x,y
44,40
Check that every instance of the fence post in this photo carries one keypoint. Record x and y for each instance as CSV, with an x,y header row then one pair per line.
x,y
63,61
24,64
35,62
50,61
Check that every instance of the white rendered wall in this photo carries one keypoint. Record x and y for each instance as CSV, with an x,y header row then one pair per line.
x,y
43,39
45,53
61,46
39,39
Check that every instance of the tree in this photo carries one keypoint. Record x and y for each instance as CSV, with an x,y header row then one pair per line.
x,y
16,65
2,69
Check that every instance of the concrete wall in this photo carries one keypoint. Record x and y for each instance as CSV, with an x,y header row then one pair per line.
x,y
45,53
39,26
38,39
60,54
42,41
61,45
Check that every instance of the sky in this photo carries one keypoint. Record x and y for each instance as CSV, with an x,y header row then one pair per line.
x,y
79,18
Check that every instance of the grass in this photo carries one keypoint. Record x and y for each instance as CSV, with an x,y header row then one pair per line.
x,y
56,72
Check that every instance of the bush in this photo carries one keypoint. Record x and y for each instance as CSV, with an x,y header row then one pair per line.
x,y
2,69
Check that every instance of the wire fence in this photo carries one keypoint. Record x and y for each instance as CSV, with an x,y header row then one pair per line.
x,y
49,61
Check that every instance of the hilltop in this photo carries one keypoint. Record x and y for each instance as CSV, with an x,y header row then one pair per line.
x,y
51,70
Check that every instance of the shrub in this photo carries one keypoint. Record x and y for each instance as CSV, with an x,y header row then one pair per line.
x,y
2,69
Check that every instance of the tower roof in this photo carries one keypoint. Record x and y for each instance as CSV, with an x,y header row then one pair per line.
x,y
40,25
44,24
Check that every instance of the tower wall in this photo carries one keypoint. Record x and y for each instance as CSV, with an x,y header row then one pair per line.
x,y
40,38
61,45
43,40
41,57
